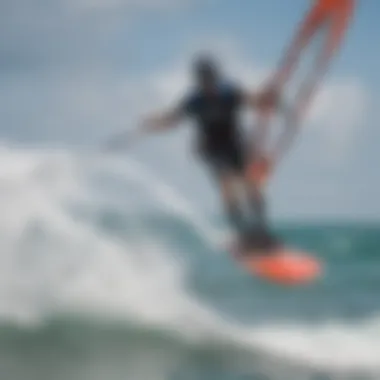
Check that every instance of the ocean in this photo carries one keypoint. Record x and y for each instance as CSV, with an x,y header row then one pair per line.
x,y
107,274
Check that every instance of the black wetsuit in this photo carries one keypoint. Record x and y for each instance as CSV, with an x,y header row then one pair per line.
x,y
219,133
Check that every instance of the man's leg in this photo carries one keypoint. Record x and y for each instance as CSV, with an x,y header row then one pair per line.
x,y
258,233
262,235
250,225
228,181
236,160
257,205
232,202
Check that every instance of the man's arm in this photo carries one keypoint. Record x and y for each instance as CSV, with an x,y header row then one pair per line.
x,y
263,101
168,119
163,121
155,123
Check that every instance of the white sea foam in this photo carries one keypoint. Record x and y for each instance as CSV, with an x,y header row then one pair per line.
x,y
54,261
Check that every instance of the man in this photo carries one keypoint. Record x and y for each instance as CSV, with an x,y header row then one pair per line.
x,y
214,106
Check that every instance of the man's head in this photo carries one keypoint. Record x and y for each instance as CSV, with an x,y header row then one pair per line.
x,y
205,72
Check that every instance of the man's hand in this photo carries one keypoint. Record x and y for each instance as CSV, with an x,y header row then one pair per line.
x,y
269,98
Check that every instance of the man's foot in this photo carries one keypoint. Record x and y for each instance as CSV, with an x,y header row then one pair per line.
x,y
260,240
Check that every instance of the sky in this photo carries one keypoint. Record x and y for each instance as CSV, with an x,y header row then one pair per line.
x,y
75,71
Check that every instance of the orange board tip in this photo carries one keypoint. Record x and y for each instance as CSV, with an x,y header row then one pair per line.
x,y
284,267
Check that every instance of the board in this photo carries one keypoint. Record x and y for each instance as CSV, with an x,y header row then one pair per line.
x,y
283,265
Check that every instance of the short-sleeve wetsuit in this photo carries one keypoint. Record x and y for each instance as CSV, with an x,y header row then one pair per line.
x,y
217,119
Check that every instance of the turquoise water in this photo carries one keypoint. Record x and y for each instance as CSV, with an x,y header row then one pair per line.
x,y
106,278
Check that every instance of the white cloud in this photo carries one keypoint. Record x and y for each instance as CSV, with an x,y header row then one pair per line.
x,y
339,112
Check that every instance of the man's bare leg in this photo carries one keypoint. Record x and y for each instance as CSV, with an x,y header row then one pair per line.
x,y
232,203
260,233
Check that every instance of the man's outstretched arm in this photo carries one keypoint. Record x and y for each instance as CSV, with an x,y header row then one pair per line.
x,y
162,121
152,124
